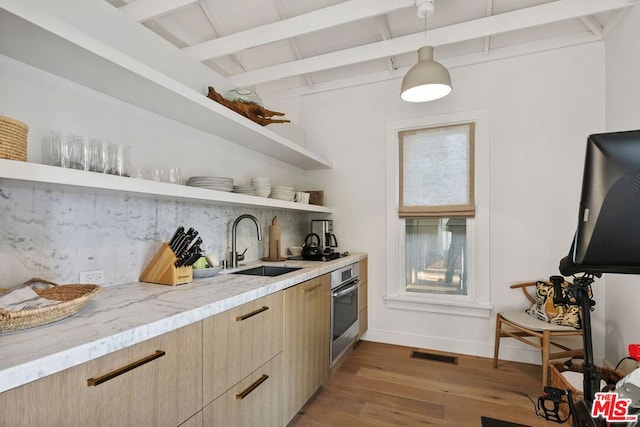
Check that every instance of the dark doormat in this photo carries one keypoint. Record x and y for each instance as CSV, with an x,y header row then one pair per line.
x,y
492,422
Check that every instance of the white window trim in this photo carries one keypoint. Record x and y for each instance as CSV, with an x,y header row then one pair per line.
x,y
478,301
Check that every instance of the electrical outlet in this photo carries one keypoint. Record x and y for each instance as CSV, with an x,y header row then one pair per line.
x,y
92,277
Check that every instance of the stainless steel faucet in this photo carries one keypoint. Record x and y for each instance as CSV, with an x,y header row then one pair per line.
x,y
234,254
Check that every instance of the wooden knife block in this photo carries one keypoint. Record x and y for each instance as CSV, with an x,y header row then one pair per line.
x,y
161,269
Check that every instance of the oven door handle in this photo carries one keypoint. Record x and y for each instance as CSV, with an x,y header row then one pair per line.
x,y
343,292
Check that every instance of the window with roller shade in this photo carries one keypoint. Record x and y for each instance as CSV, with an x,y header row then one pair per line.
x,y
436,172
436,195
437,213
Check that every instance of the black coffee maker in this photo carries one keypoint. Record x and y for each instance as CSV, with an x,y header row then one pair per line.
x,y
324,229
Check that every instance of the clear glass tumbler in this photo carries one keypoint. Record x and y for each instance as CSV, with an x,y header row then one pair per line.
x,y
119,159
174,176
99,155
51,148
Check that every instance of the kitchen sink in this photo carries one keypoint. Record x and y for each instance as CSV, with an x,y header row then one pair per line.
x,y
267,270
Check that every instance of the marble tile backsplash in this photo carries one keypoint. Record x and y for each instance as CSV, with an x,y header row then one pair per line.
x,y
57,233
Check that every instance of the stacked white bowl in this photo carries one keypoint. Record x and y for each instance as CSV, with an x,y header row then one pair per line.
x,y
244,189
282,192
262,186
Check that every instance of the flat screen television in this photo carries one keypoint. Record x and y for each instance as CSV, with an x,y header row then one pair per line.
x,y
607,239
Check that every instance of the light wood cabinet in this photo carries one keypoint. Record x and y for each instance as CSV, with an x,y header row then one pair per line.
x,y
306,341
364,271
239,341
194,421
363,294
156,382
256,364
254,401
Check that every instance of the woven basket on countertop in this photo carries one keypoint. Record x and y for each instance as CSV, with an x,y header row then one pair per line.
x,y
71,297
609,376
13,139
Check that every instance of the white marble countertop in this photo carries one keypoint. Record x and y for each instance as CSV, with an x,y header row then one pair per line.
x,y
127,314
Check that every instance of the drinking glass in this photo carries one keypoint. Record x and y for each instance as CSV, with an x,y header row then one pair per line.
x,y
157,174
174,176
119,155
69,151
51,148
85,152
99,155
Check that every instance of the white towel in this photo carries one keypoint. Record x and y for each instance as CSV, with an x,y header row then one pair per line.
x,y
22,299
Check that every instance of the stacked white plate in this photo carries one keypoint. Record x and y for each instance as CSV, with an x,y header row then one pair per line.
x,y
282,193
262,186
244,189
211,182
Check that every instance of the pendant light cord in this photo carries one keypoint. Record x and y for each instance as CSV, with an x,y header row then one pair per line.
x,y
425,29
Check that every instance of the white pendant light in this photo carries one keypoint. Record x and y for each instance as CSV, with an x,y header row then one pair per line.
x,y
428,80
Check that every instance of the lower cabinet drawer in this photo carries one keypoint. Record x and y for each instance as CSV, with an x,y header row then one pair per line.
x,y
194,421
238,341
254,401
157,382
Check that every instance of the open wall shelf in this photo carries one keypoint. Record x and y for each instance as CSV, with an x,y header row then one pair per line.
x,y
55,177
33,36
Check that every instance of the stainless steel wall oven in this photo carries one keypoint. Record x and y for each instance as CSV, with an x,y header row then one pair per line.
x,y
344,309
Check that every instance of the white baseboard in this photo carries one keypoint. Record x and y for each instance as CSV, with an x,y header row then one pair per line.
x,y
507,352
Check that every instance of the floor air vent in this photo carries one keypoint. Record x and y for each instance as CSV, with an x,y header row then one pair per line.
x,y
434,357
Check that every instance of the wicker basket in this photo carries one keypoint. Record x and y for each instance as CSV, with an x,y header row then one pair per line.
x,y
609,376
13,139
71,297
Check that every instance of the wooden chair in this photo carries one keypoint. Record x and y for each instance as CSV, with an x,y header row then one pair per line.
x,y
534,332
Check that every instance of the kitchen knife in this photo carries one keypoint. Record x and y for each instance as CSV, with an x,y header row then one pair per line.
x,y
194,248
187,254
185,243
195,256
176,244
178,232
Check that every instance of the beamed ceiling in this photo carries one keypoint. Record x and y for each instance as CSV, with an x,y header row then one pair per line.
x,y
294,47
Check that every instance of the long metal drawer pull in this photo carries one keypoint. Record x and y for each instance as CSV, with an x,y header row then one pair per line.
x,y
111,375
306,291
252,387
253,313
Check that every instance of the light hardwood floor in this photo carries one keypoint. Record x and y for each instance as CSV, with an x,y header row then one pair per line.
x,y
381,385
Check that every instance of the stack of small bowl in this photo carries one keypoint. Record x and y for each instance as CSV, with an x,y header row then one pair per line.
x,y
262,186
282,193
244,189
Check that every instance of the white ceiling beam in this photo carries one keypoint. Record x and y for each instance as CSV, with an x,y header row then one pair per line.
x,y
451,63
592,24
385,33
342,13
487,40
143,10
555,11
282,13
215,26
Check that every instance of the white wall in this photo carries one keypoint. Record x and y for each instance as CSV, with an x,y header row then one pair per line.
x,y
623,113
541,109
